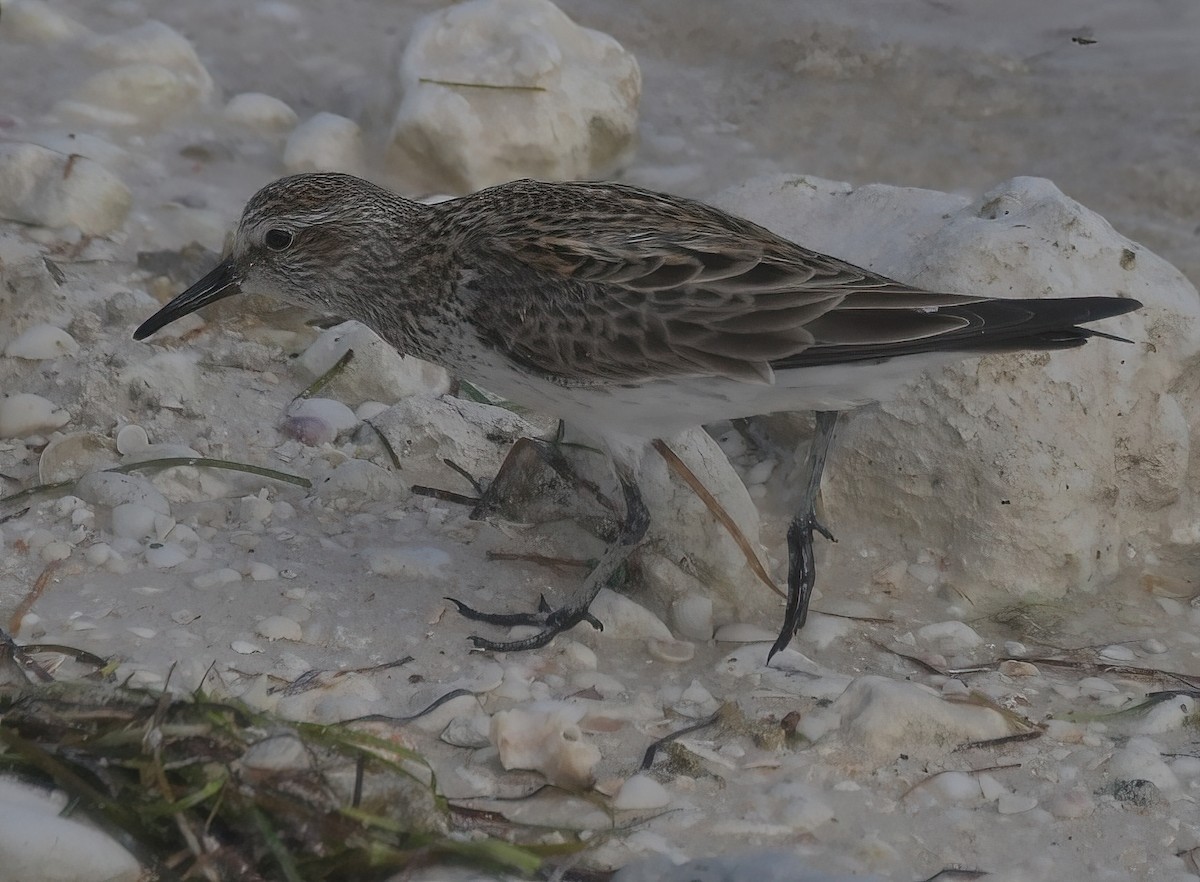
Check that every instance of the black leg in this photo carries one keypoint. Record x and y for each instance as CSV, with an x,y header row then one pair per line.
x,y
554,622
802,568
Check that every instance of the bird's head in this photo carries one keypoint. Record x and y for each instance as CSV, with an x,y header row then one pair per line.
x,y
307,240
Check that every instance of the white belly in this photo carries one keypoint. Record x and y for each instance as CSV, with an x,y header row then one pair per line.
x,y
662,408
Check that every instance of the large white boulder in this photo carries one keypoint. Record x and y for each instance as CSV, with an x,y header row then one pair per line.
x,y
1013,475
494,90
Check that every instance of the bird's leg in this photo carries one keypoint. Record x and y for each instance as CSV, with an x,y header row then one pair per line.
x,y
802,568
520,479
554,622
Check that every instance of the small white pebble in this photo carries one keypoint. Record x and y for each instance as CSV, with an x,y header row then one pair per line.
x,y
579,656
760,472
41,342
66,505
1116,652
144,633
955,787
990,787
97,555
326,142
369,409
1094,687
950,636
1153,646
672,651
264,113
1012,668
165,555
261,572
254,509
425,563
217,578
131,439
132,520
244,647
692,617
56,550
317,421
278,628
1072,804
23,414
641,793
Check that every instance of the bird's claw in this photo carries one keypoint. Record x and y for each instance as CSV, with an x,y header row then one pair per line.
x,y
553,622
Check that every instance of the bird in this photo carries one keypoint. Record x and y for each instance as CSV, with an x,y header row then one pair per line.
x,y
627,313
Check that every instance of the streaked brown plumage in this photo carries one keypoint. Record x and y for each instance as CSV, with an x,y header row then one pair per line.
x,y
630,313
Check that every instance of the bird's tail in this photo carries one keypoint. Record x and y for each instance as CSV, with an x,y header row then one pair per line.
x,y
991,325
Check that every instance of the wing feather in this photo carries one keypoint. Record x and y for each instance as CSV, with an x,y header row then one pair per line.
x,y
602,283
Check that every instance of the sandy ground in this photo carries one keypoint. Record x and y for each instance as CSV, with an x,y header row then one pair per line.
x,y
938,95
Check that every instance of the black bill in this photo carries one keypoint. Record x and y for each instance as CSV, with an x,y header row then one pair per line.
x,y
222,282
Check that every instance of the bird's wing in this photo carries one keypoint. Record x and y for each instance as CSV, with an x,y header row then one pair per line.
x,y
634,296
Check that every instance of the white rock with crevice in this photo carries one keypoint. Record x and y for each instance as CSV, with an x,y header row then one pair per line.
x,y
493,90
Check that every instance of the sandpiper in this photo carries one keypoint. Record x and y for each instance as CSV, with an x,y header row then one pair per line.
x,y
628,313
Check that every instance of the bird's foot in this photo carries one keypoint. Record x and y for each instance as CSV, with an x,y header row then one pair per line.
x,y
802,575
553,622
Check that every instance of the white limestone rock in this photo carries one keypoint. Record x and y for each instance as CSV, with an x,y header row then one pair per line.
x,y
325,142
377,372
494,90
51,189
546,738
1029,473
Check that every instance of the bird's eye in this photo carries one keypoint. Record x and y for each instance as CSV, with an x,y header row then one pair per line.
x,y
277,240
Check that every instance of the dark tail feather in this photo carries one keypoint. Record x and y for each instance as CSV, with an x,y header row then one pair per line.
x,y
998,325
